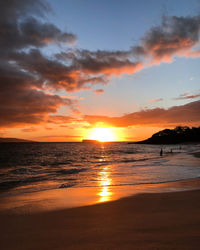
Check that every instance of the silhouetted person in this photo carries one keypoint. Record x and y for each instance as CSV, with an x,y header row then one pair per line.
x,y
161,152
171,151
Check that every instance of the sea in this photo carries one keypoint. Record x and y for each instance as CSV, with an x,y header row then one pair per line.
x,y
27,168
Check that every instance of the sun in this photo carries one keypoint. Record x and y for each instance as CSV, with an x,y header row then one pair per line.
x,y
102,134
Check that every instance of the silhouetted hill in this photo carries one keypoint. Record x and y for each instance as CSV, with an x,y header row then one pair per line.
x,y
173,136
2,139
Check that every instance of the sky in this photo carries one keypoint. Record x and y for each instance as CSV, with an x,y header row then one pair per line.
x,y
71,67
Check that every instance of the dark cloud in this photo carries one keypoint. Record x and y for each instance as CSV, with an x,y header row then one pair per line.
x,y
19,29
22,99
38,34
91,67
177,115
22,87
54,73
108,66
176,36
21,106
12,9
26,73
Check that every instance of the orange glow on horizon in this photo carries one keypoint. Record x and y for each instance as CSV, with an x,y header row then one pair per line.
x,y
103,134
55,133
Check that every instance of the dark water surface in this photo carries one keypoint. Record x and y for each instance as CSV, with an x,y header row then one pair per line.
x,y
30,167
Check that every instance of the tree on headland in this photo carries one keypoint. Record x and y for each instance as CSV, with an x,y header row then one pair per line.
x,y
179,134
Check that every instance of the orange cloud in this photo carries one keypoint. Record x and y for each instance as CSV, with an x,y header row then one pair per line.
x,y
155,100
31,129
176,36
112,67
26,73
58,138
99,91
187,96
176,115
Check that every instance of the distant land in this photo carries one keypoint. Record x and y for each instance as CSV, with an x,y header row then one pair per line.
x,y
174,136
90,141
4,139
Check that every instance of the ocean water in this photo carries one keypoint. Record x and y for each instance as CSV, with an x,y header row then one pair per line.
x,y
33,167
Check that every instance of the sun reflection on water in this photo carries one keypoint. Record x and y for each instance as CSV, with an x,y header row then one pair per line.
x,y
104,183
103,156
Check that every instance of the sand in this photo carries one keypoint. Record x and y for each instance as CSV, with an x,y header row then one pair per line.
x,y
145,221
169,220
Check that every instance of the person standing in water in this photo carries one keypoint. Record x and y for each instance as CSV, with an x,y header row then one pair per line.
x,y
161,152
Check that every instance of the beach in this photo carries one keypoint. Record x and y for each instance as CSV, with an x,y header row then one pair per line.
x,y
162,215
144,221
99,125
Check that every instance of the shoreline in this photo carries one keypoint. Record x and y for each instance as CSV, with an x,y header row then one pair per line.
x,y
143,221
64,198
157,216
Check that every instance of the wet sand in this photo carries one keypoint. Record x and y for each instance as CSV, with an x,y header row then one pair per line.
x,y
145,221
196,154
167,220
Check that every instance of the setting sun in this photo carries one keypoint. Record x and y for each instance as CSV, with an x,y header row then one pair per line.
x,y
102,134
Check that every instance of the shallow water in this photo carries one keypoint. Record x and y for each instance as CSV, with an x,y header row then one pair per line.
x,y
46,176
28,167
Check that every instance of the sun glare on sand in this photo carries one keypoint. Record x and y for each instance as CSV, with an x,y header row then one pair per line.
x,y
102,134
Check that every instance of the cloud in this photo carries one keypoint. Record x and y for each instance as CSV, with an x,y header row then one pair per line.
x,y
20,29
38,34
93,67
155,100
20,106
59,119
99,91
31,129
47,128
26,73
22,87
58,138
176,115
176,36
22,101
107,63
186,96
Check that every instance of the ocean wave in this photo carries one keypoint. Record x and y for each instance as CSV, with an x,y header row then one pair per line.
x,y
15,183
71,171
51,165
66,185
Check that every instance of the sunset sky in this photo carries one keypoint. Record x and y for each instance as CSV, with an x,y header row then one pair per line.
x,y
68,67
